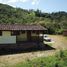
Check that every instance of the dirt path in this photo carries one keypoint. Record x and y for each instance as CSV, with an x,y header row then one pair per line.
x,y
60,43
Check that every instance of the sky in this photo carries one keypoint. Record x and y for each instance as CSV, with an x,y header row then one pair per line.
x,y
43,5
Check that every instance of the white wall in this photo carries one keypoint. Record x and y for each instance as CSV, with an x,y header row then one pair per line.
x,y
6,38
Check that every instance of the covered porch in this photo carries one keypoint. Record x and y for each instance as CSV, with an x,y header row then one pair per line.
x,y
29,35
23,47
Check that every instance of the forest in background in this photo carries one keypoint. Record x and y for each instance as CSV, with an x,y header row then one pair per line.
x,y
55,22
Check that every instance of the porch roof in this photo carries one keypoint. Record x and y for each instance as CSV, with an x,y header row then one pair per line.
x,y
18,27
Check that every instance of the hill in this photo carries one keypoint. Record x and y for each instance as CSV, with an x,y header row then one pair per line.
x,y
55,22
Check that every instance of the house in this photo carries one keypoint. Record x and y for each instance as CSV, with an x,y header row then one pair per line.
x,y
65,32
13,33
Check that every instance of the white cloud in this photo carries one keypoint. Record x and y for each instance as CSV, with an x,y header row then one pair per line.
x,y
14,2
35,2
3,1
24,0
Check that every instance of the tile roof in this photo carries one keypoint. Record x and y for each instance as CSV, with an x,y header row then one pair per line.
x,y
21,27
65,30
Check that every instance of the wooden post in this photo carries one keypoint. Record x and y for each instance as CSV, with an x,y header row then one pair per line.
x,y
43,35
38,36
28,35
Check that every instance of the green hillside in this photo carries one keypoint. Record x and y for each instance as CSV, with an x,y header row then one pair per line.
x,y
55,22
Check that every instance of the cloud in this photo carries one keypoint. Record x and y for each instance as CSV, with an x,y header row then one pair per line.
x,y
35,2
24,0
14,2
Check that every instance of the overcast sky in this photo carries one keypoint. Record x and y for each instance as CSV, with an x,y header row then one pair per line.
x,y
44,5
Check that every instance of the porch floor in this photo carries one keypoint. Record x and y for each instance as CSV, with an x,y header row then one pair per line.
x,y
22,47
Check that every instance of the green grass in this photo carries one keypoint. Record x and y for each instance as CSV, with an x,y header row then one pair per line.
x,y
59,60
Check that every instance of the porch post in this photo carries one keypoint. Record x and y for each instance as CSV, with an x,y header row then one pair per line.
x,y
43,35
38,36
28,35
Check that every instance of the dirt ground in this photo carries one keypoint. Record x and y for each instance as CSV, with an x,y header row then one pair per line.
x,y
60,42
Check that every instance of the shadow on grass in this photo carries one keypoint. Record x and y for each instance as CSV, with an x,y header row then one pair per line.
x,y
23,47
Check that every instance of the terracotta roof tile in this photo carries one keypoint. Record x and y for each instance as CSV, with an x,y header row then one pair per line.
x,y
21,27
